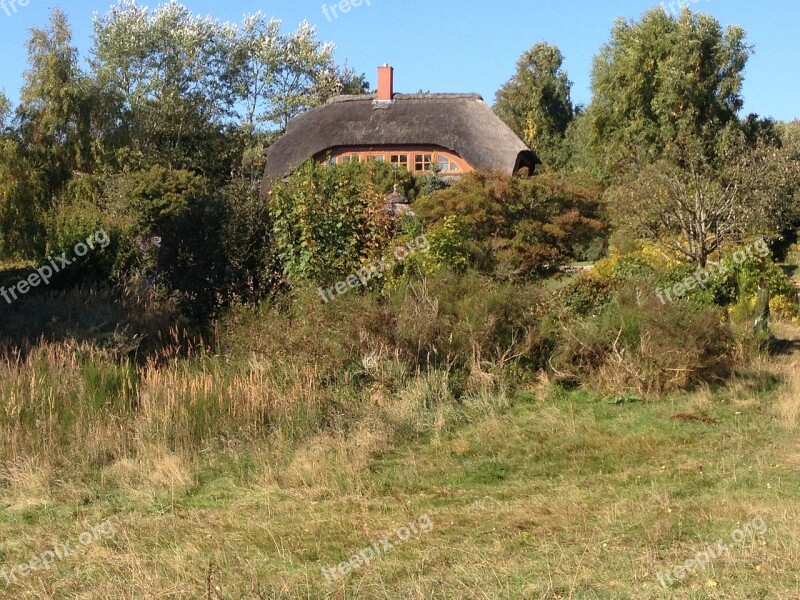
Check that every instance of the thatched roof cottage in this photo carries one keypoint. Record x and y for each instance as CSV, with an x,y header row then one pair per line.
x,y
456,132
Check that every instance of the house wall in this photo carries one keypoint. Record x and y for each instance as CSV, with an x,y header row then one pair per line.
x,y
456,165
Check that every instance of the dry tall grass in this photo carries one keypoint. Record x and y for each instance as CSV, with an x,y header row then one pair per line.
x,y
786,403
231,475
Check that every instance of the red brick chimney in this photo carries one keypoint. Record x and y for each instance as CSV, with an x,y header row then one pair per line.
x,y
385,82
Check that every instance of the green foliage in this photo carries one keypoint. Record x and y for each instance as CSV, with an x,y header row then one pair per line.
x,y
631,266
517,228
455,319
329,219
23,203
586,294
178,81
252,270
161,144
353,84
620,339
158,194
448,248
719,291
433,182
445,248
78,216
536,103
170,235
662,85
49,142
54,109
384,177
738,283
213,248
458,321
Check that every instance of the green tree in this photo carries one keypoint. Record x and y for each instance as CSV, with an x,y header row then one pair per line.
x,y
51,138
664,87
663,129
698,206
305,77
276,76
52,108
536,103
279,75
5,112
353,84
169,73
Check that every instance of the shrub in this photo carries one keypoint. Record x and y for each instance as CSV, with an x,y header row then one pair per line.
x,y
447,249
517,228
432,183
720,289
637,344
752,270
180,240
586,294
252,270
78,214
328,220
462,320
455,321
170,236
24,201
171,222
784,307
631,266
729,288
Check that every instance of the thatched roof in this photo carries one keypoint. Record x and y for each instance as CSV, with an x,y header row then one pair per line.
x,y
462,123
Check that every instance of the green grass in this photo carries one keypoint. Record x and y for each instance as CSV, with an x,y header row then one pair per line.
x,y
242,472
558,495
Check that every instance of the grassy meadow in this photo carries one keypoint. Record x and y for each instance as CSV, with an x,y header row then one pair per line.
x,y
243,470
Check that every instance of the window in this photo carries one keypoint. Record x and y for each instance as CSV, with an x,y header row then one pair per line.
x,y
445,164
351,158
331,160
375,158
400,160
422,162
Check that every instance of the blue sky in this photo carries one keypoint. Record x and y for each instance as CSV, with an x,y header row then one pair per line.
x,y
466,45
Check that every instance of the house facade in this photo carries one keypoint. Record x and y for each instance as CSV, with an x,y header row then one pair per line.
x,y
451,133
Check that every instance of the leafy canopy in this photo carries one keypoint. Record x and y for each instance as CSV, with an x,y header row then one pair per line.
x,y
518,228
536,103
662,87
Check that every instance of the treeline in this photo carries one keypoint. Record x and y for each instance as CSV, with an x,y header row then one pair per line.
x,y
162,135
663,134
160,141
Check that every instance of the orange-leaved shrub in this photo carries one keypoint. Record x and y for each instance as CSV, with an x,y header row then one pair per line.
x,y
518,228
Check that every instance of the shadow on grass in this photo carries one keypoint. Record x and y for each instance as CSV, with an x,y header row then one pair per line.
x,y
779,347
790,270
11,276
98,316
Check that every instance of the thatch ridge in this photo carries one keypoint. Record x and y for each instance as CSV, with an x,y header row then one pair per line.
x,y
461,123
